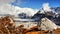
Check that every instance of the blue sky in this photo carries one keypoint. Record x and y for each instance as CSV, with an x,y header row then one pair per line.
x,y
36,4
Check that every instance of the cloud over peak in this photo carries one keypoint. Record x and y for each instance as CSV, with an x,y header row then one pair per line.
x,y
46,7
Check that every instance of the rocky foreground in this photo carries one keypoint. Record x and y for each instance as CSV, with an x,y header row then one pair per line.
x,y
8,26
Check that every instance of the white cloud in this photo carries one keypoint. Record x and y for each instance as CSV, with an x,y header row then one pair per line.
x,y
6,1
6,8
14,10
46,7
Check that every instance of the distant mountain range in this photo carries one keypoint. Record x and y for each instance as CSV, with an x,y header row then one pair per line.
x,y
38,14
57,9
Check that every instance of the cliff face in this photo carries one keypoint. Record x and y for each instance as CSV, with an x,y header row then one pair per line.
x,y
53,15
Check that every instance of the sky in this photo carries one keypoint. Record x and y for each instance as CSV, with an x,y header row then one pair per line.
x,y
30,7
36,4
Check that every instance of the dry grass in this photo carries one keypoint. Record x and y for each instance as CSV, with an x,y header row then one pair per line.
x,y
20,30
